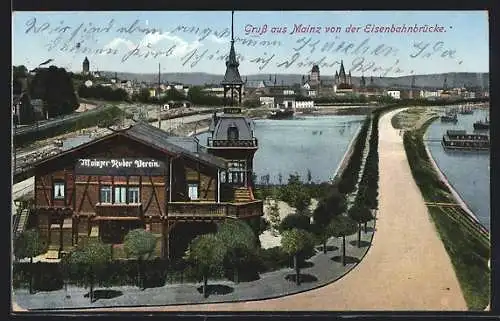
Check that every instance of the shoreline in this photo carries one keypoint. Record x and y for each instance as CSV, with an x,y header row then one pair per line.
x,y
454,193
347,156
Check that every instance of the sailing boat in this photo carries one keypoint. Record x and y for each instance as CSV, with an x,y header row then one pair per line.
x,y
450,117
466,110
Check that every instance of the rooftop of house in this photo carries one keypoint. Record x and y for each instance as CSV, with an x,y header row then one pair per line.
x,y
158,139
221,124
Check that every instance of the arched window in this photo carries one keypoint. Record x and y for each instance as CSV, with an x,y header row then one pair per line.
x,y
232,133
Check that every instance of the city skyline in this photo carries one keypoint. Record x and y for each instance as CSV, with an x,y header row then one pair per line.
x,y
135,42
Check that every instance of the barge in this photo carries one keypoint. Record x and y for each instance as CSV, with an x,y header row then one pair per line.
x,y
461,140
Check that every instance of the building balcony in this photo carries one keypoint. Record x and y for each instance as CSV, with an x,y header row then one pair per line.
x,y
232,143
120,211
211,209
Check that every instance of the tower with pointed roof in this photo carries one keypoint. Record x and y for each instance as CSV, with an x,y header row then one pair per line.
x,y
342,81
232,80
86,66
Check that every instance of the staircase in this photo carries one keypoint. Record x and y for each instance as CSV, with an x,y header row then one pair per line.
x,y
20,222
243,195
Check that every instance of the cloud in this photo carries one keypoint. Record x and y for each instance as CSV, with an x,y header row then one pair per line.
x,y
155,41
216,39
116,43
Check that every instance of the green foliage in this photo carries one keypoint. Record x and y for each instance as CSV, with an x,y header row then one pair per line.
x,y
206,253
28,244
236,233
295,241
55,87
102,92
342,226
360,214
468,249
295,221
198,97
139,243
93,255
349,178
295,194
273,259
274,215
106,115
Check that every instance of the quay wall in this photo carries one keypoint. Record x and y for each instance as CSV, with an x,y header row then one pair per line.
x,y
347,156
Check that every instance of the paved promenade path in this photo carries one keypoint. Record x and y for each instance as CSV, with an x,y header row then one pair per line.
x,y
406,268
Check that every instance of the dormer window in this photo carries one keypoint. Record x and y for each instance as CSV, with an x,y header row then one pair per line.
x,y
232,133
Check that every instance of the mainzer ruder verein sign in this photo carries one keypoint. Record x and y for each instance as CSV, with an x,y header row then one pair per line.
x,y
120,166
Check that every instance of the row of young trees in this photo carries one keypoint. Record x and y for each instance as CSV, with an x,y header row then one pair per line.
x,y
232,245
349,178
91,258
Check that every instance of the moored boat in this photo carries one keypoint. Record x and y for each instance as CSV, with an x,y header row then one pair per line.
x,y
449,118
281,114
466,110
482,125
461,140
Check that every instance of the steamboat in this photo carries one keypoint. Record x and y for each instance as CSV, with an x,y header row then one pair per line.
x,y
482,125
461,140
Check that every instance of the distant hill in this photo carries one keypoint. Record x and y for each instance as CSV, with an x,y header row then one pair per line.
x,y
422,81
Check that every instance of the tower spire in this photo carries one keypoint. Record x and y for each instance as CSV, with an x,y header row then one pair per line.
x,y
232,26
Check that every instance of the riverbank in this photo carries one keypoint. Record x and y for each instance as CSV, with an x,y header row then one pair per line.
x,y
347,156
465,241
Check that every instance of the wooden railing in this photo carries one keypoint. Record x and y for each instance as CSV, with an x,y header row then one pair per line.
x,y
211,209
232,143
118,210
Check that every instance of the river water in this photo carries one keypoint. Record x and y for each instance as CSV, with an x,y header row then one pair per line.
x,y
319,144
467,172
291,146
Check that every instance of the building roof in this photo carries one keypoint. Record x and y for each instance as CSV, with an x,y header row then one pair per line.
x,y
159,139
232,75
184,146
241,122
315,68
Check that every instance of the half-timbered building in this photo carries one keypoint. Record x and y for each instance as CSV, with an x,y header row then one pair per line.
x,y
138,177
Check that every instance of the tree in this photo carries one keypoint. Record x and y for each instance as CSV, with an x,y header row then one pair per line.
x,y
140,244
28,245
206,252
342,226
295,194
334,204
274,215
309,176
295,221
239,240
360,214
294,242
55,87
91,258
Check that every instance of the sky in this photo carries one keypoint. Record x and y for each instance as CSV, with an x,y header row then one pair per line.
x,y
199,41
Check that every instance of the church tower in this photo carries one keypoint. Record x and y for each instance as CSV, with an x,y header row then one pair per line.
x,y
86,66
232,138
232,79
